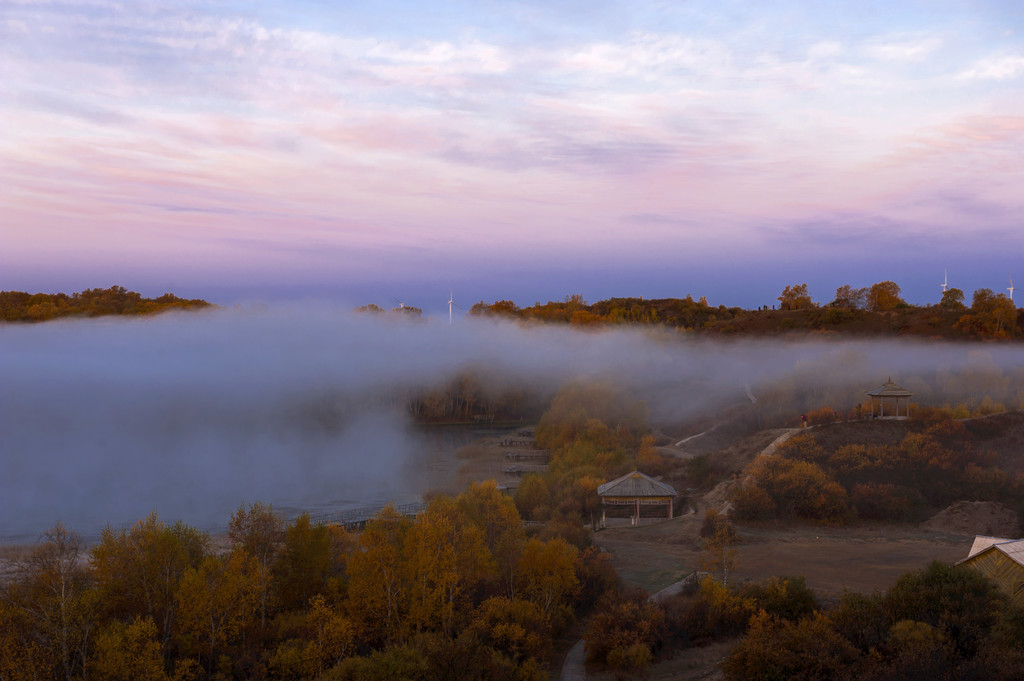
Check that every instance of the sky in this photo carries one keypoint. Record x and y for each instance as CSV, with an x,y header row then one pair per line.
x,y
388,150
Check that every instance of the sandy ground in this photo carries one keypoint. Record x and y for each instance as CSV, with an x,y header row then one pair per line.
x,y
861,559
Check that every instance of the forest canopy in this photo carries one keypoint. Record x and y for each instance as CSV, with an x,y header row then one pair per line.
x,y
876,311
18,306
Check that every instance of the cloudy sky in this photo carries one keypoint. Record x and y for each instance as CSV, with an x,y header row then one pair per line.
x,y
510,149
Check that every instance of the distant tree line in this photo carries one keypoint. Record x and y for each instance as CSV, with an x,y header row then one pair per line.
x,y
674,312
18,306
409,310
878,310
469,395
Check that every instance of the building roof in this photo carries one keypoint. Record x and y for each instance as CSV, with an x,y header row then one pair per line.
x,y
636,484
890,389
1012,548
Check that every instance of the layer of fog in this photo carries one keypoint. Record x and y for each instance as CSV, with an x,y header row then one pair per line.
x,y
189,415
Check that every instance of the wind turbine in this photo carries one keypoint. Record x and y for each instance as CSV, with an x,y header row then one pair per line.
x,y
945,280
451,302
1011,289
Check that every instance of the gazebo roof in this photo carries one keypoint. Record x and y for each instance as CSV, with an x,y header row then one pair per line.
x,y
636,484
890,389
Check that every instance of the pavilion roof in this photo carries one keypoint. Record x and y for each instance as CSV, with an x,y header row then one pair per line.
x,y
890,389
1013,548
636,484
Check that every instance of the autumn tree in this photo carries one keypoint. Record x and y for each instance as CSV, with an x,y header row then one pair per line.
x,y
496,515
409,311
378,597
138,571
597,445
445,555
861,620
216,601
500,308
795,297
624,631
533,498
327,637
717,553
24,653
779,649
651,460
849,297
55,603
791,488
333,637
258,531
952,299
991,314
606,411
304,566
546,574
132,652
787,597
517,630
959,601
884,296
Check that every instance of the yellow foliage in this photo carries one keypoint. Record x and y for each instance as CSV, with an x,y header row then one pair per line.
x,y
127,652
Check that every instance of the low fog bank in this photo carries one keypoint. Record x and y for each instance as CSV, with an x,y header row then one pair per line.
x,y
190,415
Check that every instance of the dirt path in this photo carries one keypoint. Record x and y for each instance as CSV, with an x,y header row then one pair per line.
x,y
574,668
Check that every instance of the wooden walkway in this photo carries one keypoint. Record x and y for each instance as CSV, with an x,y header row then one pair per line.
x,y
528,454
356,518
526,443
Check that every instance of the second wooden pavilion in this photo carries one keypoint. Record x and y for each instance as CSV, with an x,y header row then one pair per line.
x,y
637,490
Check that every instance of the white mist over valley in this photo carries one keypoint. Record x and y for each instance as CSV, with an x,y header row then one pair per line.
x,y
190,415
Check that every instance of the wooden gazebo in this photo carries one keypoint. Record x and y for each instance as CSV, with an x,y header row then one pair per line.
x,y
893,401
636,489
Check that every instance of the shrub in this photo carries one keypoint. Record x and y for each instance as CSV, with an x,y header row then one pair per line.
x,y
778,649
885,502
715,612
787,597
960,602
753,503
822,415
533,498
622,624
597,576
860,620
570,528
797,488
802,448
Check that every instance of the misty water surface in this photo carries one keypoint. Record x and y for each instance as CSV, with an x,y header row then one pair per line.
x,y
190,415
